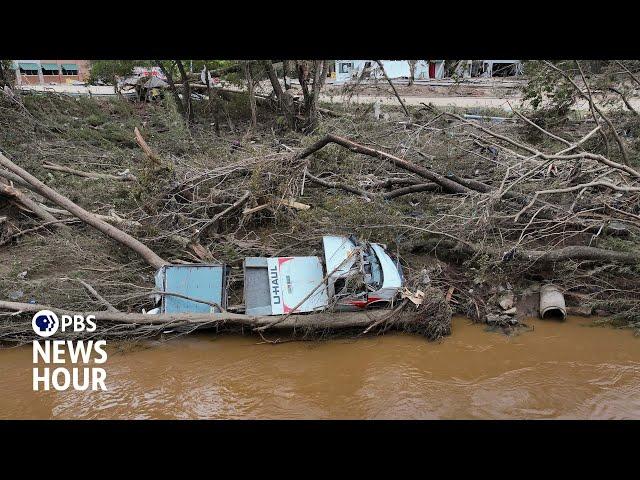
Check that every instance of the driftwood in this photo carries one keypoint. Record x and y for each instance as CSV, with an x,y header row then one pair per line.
x,y
291,203
339,186
22,200
446,184
95,294
146,148
451,183
578,252
113,218
413,187
45,212
237,204
463,250
419,187
316,321
92,175
36,228
390,182
145,252
13,178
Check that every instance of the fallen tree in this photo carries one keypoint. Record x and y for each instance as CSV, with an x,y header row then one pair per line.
x,y
22,200
415,321
445,183
145,252
92,175
455,248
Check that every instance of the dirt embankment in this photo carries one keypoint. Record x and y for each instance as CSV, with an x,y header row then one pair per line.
x,y
472,210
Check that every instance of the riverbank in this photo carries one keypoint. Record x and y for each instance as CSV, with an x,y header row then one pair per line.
x,y
472,208
565,369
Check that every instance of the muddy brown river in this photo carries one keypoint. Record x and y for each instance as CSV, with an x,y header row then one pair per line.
x,y
558,370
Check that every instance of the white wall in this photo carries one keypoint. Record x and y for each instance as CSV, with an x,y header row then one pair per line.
x,y
393,69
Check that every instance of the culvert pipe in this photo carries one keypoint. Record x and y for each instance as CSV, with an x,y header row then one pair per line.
x,y
552,303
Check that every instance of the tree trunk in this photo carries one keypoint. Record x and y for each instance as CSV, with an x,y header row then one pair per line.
x,y
174,90
310,109
145,252
285,100
412,71
464,250
320,73
186,92
314,321
285,73
20,198
252,98
3,78
445,183
213,102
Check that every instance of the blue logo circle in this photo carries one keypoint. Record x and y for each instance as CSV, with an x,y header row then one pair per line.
x,y
45,323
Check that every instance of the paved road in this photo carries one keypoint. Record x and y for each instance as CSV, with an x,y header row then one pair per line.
x,y
505,103
99,90
463,102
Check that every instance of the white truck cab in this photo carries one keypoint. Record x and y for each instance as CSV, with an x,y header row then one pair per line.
x,y
355,275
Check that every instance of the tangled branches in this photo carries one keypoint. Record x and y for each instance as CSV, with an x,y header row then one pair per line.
x,y
472,203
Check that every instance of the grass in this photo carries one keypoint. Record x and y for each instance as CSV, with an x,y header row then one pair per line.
x,y
97,135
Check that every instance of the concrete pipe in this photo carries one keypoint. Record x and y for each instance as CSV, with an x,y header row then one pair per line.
x,y
552,303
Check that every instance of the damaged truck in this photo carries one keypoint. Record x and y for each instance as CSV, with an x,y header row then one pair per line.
x,y
353,275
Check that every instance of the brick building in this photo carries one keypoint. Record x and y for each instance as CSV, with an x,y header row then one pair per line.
x,y
43,72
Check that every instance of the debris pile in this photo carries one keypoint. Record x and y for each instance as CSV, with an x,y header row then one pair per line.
x,y
465,203
432,317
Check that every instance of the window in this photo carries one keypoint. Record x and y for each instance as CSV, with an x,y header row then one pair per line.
x,y
376,270
504,69
29,68
346,67
69,69
50,69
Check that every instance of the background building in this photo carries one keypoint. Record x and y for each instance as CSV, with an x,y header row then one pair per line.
x,y
43,72
347,70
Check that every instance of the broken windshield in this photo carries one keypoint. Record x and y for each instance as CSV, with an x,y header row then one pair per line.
x,y
373,270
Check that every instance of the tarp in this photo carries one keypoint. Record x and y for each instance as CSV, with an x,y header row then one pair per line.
x,y
155,82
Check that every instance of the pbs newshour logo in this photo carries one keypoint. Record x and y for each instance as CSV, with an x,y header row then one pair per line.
x,y
81,356
45,323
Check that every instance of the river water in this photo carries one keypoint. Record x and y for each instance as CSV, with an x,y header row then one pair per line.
x,y
558,370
